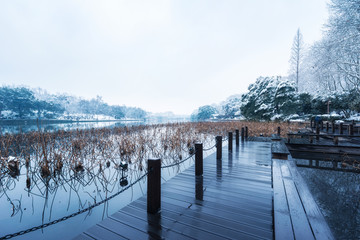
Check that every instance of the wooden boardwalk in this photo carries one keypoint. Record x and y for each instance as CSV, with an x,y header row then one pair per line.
x,y
232,200
247,195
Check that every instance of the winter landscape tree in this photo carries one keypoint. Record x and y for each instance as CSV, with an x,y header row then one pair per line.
x,y
296,58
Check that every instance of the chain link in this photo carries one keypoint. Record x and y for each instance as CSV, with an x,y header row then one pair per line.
x,y
178,163
207,149
74,214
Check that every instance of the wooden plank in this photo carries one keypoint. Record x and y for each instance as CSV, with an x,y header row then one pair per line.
x,y
83,236
221,217
282,220
279,147
155,228
318,223
302,229
219,220
154,219
194,229
98,232
224,206
232,199
236,204
121,229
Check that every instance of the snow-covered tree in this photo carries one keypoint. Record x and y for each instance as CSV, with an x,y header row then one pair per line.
x,y
296,58
203,113
231,107
285,98
335,59
269,97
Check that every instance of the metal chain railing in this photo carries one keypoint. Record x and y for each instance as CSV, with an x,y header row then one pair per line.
x,y
207,149
178,163
98,203
74,214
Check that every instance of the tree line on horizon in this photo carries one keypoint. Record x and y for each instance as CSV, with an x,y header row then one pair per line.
x,y
26,103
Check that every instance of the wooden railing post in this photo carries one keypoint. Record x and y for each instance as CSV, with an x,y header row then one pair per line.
x,y
199,188
351,129
278,131
237,137
246,132
198,159
327,126
230,141
333,127
154,185
317,132
341,128
218,147
322,125
242,134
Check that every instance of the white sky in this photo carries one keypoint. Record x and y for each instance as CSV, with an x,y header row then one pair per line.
x,y
157,55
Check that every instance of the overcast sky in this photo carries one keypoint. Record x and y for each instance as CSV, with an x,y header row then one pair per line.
x,y
157,55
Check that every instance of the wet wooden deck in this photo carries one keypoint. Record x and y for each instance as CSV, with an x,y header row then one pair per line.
x,y
247,195
232,200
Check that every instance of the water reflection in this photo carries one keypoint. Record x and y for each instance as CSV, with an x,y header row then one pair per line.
x,y
199,188
230,160
14,127
48,195
218,169
338,196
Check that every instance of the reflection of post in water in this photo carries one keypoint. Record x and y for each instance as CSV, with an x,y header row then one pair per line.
x,y
199,187
230,160
154,225
218,169
237,152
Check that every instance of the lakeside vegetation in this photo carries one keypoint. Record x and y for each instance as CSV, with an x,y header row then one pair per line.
x,y
26,103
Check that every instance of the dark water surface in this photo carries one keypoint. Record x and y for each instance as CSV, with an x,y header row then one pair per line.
x,y
338,196
49,199
22,126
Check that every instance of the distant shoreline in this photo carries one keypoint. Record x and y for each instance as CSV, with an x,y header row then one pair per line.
x,y
58,121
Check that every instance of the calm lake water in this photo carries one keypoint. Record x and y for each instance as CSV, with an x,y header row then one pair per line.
x,y
338,196
27,126
44,200
12,127
28,199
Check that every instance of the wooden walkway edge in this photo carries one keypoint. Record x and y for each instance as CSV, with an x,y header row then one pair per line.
x,y
296,214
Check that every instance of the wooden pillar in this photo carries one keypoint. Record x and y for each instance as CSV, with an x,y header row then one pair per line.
x,y
246,132
230,141
154,185
336,140
311,123
351,129
317,163
242,134
237,137
198,159
322,125
278,131
333,127
218,140
327,126
317,132
341,128
199,188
